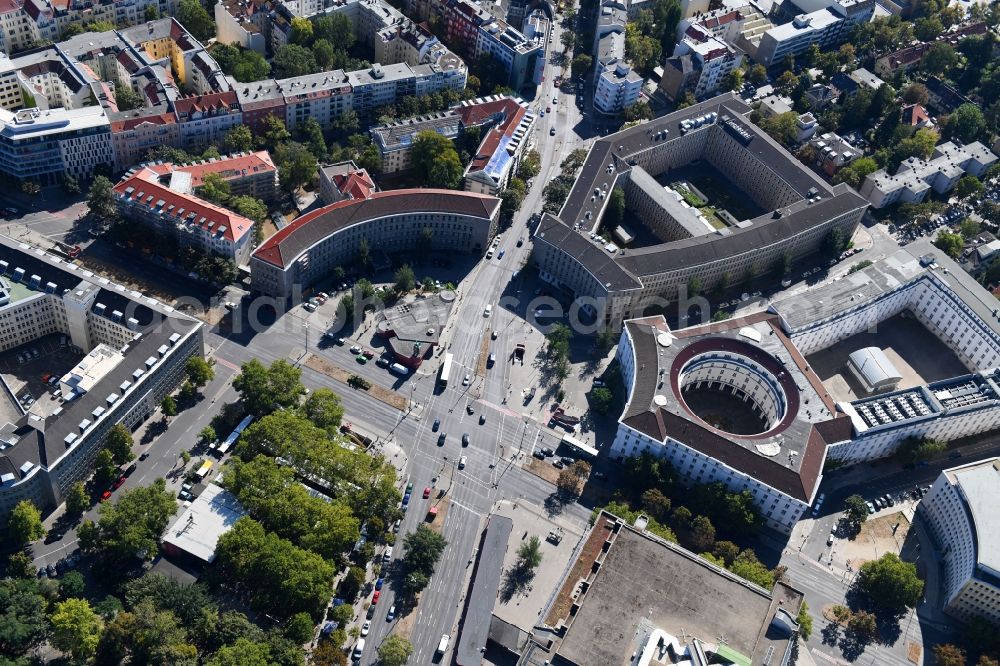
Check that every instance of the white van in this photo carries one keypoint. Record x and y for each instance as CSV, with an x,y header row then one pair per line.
x,y
443,643
387,557
358,649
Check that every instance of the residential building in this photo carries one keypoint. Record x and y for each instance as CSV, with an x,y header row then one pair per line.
x,y
866,79
133,352
833,152
616,84
293,260
395,139
246,174
794,211
908,58
827,27
167,203
344,181
506,124
710,62
780,418
205,119
960,512
915,177
46,146
915,117
944,97
235,24
140,132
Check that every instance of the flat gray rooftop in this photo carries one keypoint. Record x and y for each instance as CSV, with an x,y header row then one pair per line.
x,y
980,486
476,626
646,579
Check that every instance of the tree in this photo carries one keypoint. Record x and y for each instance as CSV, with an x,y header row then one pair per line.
x,y
214,188
105,468
727,551
238,140
23,625
639,110
835,242
296,165
615,211
568,483
101,199
757,74
916,93
940,57
655,503
733,80
127,99
394,651
193,16
405,279
207,435
324,54
602,399
783,127
302,31
72,585
529,554
746,565
863,624
966,123
336,29
422,548
946,654
949,243
854,173
274,132
284,578
312,135
323,408
168,406
262,390
76,628
24,524
856,509
529,166
132,526
293,60
243,652
299,628
702,534
119,443
199,370
568,40
19,565
581,64
435,157
968,186
805,621
890,582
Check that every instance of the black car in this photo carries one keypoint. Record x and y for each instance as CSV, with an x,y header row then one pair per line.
x,y
470,409
557,464
441,439
566,460
482,418
539,455
437,424
548,452
520,241
465,439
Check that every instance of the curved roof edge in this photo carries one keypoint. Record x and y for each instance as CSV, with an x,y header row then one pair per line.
x,y
283,247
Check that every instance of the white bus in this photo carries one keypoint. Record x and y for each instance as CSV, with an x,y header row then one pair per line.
x,y
234,435
445,372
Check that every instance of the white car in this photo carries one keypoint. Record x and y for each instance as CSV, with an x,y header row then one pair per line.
x,y
355,349
466,380
366,627
462,461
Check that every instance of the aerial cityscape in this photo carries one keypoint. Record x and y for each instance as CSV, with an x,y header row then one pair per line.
x,y
513,333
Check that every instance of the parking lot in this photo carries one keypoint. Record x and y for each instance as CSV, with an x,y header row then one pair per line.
x,y
29,368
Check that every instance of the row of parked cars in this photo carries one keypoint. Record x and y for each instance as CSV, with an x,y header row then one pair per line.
x,y
60,567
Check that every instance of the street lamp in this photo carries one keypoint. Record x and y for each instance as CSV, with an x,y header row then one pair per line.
x,y
413,385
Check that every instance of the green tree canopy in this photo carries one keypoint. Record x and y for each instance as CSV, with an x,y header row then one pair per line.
x,y
76,628
193,16
101,199
199,370
132,526
239,140
119,443
856,509
890,582
324,409
24,524
244,65
434,156
950,243
293,60
296,165
264,389
23,625
394,651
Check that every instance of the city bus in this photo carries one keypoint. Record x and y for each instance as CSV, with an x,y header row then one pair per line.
x,y
234,435
445,372
204,470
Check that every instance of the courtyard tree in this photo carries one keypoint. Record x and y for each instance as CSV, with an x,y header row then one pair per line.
x,y
76,628
946,654
656,504
405,279
193,16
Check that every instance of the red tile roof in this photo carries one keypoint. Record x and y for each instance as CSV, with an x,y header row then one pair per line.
x,y
357,184
208,216
478,113
232,166
283,247
915,114
131,123
210,102
7,6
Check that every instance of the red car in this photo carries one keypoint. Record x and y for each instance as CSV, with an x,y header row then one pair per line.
x,y
118,484
368,354
427,492
378,593
106,495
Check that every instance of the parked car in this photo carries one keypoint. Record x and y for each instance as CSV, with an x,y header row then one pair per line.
x,y
379,582
462,461
427,492
391,615
441,439
465,439
365,628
